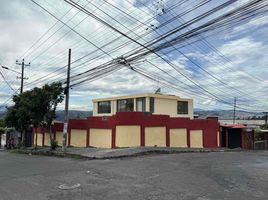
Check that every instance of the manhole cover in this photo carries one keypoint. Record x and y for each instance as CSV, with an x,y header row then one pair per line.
x,y
69,187
92,173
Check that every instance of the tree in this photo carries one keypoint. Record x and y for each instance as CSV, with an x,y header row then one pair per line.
x,y
19,115
35,108
54,95
2,123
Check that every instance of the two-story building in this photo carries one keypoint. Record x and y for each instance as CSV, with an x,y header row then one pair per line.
x,y
139,120
171,105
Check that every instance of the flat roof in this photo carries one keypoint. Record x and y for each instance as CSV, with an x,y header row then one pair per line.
x,y
164,96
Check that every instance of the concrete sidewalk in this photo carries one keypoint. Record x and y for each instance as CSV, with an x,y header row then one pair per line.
x,y
99,153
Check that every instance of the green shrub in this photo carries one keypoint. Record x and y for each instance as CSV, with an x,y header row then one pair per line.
x,y
54,144
258,135
264,126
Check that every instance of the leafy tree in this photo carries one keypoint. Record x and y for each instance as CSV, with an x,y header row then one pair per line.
x,y
35,108
54,95
2,123
19,115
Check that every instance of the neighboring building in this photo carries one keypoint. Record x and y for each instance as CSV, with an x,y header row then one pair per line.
x,y
237,136
171,105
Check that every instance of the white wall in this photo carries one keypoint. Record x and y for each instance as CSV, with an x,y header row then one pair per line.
x,y
169,107
165,105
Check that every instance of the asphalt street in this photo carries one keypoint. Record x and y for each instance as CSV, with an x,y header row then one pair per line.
x,y
200,176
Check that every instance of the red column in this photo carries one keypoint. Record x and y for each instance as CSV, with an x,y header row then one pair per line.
x,y
167,137
113,137
203,138
69,137
188,138
142,136
88,142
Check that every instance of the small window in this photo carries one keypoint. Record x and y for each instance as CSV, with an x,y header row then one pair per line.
x,y
151,104
140,104
125,105
182,107
104,107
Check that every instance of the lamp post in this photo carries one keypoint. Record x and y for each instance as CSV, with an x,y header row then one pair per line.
x,y
4,67
20,73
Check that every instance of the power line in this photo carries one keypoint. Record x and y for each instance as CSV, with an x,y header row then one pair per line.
x,y
7,82
150,51
196,64
71,28
134,59
43,35
110,43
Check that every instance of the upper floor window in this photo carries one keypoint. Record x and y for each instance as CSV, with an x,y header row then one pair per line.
x,y
140,104
104,107
182,107
125,105
151,104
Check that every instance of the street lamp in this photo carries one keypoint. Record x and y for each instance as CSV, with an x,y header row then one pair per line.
x,y
10,69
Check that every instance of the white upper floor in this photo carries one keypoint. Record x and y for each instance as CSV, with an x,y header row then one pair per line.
x,y
171,105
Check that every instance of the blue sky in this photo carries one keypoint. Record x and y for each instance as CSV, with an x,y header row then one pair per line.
x,y
237,58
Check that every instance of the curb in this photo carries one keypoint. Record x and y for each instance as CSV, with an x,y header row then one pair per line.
x,y
46,153
141,153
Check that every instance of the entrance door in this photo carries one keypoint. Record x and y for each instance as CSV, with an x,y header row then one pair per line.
x,y
234,138
223,137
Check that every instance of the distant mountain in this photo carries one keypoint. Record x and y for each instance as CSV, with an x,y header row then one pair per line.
x,y
2,111
73,114
226,114
199,110
221,114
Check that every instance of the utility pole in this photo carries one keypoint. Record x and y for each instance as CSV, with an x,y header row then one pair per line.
x,y
22,73
234,110
22,138
66,113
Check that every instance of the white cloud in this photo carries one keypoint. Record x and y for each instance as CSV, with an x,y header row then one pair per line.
x,y
249,26
21,28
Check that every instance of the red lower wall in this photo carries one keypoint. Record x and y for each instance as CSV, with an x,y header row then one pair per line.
x,y
210,126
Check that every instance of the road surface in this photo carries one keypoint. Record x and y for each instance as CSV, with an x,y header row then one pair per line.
x,y
200,176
